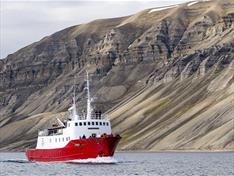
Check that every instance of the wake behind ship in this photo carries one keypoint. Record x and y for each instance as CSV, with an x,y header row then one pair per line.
x,y
81,137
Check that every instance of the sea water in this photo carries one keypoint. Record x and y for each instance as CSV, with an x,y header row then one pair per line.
x,y
125,163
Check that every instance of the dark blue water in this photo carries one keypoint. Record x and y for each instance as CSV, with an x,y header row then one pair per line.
x,y
123,164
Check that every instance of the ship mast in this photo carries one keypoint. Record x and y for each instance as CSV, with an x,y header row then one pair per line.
x,y
74,112
89,108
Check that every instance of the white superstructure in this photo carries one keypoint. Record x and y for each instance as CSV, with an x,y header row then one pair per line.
x,y
77,127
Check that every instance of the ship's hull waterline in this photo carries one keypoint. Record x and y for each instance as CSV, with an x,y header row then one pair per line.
x,y
76,149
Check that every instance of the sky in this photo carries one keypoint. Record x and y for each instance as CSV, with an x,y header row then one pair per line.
x,y
25,22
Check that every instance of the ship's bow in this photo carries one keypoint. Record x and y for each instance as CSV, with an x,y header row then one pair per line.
x,y
109,145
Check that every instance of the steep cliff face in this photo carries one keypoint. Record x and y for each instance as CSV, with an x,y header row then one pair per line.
x,y
165,77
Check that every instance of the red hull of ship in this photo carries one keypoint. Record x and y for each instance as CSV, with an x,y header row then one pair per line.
x,y
76,149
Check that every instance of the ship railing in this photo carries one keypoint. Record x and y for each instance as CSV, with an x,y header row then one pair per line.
x,y
104,116
44,132
94,116
82,117
51,132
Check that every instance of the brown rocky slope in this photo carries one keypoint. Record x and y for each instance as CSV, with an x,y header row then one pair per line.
x,y
166,78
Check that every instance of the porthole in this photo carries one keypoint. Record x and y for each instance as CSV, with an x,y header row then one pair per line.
x,y
92,123
80,123
76,124
96,123
88,123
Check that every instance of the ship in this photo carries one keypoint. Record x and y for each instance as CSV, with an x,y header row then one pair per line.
x,y
82,136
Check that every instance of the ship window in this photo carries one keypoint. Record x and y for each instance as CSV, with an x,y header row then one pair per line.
x,y
76,124
104,123
92,123
55,139
93,134
80,123
50,140
88,123
84,123
100,123
63,139
107,123
96,123
59,139
42,141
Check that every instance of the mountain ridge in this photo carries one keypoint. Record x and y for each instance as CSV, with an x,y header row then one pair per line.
x,y
163,75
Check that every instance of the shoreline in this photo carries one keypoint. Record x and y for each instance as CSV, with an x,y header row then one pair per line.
x,y
156,151
176,151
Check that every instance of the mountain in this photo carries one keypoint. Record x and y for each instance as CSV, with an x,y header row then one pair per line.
x,y
165,76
